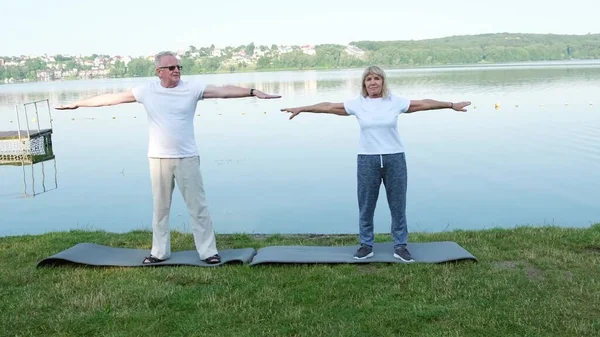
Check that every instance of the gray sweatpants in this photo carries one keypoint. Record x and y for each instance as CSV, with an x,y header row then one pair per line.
x,y
164,172
371,171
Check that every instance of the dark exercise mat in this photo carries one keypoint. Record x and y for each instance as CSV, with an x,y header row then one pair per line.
x,y
429,252
98,255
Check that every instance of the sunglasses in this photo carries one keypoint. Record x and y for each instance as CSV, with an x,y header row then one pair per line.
x,y
171,68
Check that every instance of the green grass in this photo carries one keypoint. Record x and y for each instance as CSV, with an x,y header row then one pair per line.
x,y
528,282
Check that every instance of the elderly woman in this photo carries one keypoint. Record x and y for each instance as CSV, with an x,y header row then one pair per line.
x,y
380,154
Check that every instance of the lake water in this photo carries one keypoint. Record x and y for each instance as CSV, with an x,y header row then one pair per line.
x,y
533,161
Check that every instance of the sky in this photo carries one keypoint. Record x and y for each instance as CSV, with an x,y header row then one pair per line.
x,y
145,27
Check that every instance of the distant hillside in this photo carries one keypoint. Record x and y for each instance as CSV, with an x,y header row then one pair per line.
x,y
502,47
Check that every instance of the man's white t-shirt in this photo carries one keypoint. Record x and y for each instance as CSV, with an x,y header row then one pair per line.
x,y
378,120
170,117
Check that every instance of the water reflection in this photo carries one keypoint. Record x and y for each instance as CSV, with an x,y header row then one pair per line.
x,y
38,168
30,147
46,178
310,83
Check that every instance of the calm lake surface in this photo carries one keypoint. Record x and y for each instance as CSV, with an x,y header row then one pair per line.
x,y
533,161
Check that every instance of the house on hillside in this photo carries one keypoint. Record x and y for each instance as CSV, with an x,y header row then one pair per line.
x,y
308,49
355,51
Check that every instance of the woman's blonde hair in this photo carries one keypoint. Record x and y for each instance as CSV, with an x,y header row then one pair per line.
x,y
379,72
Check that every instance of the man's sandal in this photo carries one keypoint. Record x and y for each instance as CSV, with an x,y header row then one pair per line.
x,y
213,259
152,259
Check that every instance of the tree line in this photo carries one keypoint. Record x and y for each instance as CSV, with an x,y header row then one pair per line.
x,y
455,50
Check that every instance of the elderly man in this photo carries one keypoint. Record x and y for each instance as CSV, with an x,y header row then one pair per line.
x,y
173,155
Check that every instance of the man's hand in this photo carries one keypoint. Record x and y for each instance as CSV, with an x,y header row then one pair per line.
x,y
460,106
262,95
71,106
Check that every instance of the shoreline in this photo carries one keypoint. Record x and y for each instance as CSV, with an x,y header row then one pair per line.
x,y
549,63
306,236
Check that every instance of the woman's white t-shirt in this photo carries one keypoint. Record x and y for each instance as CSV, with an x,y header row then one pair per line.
x,y
378,120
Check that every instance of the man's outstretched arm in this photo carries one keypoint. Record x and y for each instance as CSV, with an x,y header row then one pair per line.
x,y
100,100
231,91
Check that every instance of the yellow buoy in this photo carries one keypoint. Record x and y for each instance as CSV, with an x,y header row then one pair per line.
x,y
497,106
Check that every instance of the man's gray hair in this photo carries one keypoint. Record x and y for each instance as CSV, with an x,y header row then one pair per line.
x,y
160,55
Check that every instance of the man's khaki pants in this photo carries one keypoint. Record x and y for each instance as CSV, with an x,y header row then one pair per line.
x,y
164,172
